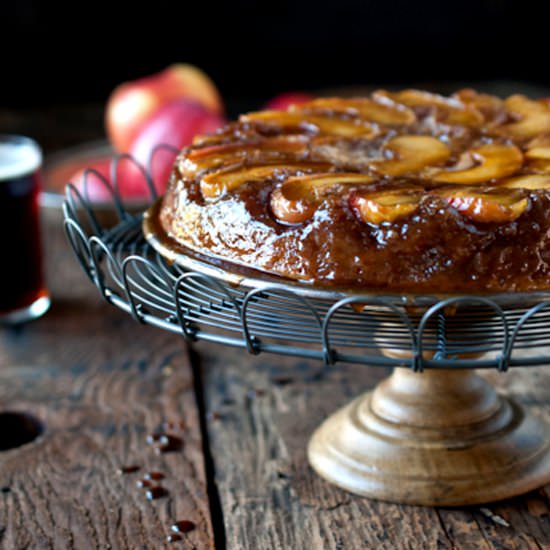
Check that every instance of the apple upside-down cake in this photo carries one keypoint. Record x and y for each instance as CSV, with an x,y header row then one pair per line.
x,y
399,191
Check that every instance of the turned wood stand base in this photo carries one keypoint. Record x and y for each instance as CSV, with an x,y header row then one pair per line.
x,y
437,438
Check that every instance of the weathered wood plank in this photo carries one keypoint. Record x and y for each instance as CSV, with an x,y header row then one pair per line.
x,y
272,499
100,383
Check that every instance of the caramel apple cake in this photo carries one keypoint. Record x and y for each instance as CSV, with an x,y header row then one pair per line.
x,y
400,191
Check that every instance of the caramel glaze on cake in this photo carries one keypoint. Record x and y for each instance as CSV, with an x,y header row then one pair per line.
x,y
406,191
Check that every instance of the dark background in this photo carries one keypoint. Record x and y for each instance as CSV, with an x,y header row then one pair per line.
x,y
56,53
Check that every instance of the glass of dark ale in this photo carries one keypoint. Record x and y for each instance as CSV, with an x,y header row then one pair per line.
x,y
23,293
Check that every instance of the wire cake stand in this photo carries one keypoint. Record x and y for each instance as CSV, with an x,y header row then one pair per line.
x,y
433,433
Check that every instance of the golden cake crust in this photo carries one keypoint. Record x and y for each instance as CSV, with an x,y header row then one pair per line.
x,y
405,191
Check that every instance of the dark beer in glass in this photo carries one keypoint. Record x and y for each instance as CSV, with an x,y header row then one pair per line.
x,y
23,294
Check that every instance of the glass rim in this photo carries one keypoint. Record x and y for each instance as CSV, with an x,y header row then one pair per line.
x,y
25,164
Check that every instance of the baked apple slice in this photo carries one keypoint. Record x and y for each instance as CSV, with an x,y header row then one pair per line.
x,y
313,123
285,144
486,205
538,148
538,154
538,166
384,206
382,111
410,154
488,105
299,196
489,161
449,110
215,184
267,149
534,118
531,182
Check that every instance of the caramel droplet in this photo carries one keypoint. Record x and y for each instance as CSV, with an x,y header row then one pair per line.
x,y
155,476
128,469
168,443
183,526
156,492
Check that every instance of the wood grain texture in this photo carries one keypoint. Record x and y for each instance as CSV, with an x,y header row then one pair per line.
x,y
100,383
272,499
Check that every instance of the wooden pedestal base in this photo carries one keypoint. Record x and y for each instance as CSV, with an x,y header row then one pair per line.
x,y
440,438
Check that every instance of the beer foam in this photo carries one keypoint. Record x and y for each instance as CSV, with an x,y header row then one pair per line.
x,y
18,157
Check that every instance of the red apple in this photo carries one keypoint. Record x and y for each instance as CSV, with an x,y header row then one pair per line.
x,y
175,124
132,103
282,102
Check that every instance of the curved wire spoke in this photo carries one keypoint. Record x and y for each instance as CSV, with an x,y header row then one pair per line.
x,y
369,307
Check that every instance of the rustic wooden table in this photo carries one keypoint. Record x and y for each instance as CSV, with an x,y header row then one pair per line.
x,y
99,383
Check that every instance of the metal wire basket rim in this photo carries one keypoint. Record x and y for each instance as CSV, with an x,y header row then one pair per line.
x,y
157,239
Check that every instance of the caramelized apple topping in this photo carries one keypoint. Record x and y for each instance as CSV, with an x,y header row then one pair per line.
x,y
448,109
382,111
491,161
534,118
283,144
312,123
296,200
283,148
291,212
489,105
492,151
384,206
411,154
486,205
538,166
531,182
315,187
216,184
539,148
